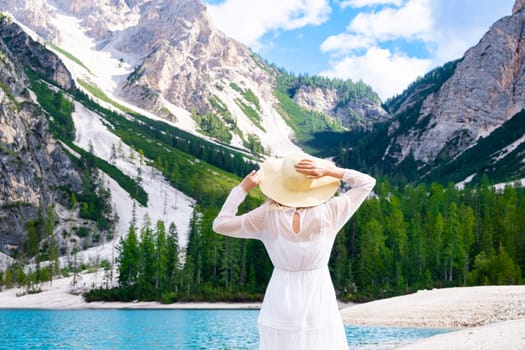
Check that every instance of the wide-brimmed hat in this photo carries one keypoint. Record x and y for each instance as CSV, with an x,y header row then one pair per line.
x,y
285,185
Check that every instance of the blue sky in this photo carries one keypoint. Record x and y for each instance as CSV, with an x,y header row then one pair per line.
x,y
385,43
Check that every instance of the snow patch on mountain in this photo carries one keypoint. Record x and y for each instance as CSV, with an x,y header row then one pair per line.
x,y
106,68
505,151
165,202
5,261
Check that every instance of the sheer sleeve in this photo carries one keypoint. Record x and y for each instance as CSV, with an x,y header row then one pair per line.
x,y
341,208
248,225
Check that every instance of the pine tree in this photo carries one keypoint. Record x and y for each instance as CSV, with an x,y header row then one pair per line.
x,y
161,257
505,270
195,249
508,228
120,149
371,264
53,255
147,261
32,245
252,279
452,241
467,229
340,265
74,200
396,230
173,265
435,245
113,156
128,259
486,196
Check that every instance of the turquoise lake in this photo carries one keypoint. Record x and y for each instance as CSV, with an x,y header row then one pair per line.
x,y
163,329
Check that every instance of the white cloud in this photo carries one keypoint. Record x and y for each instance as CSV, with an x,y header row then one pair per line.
x,y
249,21
388,73
445,28
413,20
367,3
345,42
377,35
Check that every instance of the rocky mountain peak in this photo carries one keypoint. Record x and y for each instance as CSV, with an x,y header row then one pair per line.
x,y
159,21
486,89
518,6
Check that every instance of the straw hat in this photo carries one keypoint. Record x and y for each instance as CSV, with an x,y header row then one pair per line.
x,y
282,183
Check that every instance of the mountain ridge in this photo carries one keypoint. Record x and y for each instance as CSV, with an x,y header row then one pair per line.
x,y
172,60
453,108
487,86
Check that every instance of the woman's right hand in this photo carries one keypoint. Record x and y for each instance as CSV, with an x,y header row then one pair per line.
x,y
251,180
313,170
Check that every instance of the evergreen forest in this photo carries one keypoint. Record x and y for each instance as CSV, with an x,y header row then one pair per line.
x,y
402,239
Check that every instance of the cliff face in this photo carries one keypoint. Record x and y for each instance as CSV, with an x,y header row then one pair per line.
x,y
32,164
34,56
518,6
486,90
358,112
187,58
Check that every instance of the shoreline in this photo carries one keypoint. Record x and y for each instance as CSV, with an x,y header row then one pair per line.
x,y
505,335
480,318
141,306
447,308
61,295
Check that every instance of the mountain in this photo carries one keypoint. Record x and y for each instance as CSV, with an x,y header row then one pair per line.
x,y
167,58
461,120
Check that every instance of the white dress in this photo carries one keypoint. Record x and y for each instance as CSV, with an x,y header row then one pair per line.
x,y
300,309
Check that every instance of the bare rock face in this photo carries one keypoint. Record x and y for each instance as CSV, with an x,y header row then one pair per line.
x,y
33,165
36,12
518,6
35,56
355,113
188,57
486,89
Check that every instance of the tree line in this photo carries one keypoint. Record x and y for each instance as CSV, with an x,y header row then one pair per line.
x,y
427,236
402,239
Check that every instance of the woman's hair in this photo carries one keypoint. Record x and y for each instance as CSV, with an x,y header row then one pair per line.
x,y
277,206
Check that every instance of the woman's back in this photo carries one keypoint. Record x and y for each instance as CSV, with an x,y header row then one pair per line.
x,y
304,247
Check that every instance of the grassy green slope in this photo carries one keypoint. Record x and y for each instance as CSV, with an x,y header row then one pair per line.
x,y
203,170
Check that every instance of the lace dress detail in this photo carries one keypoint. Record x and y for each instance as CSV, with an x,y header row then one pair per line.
x,y
299,309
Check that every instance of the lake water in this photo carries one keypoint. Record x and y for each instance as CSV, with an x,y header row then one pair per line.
x,y
162,329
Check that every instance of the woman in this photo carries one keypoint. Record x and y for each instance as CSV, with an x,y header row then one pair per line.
x,y
297,226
